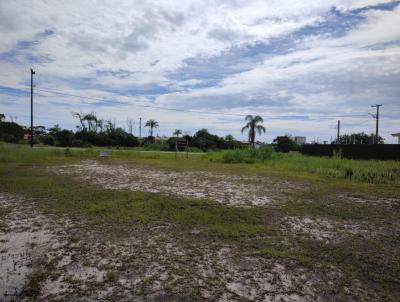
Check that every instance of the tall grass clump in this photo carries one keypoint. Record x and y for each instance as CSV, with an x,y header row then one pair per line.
x,y
367,171
248,156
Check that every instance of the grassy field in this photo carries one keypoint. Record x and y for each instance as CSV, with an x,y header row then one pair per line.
x,y
369,171
363,171
373,261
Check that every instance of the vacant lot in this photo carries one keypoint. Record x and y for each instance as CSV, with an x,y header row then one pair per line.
x,y
146,227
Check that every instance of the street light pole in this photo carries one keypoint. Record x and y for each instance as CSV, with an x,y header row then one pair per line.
x,y
31,140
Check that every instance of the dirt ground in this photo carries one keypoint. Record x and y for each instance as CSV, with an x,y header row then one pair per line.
x,y
59,259
76,264
227,189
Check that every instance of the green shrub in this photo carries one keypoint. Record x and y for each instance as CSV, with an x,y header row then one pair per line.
x,y
11,132
47,140
64,138
285,144
248,156
8,138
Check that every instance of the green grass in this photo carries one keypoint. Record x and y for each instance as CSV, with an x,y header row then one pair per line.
x,y
362,171
248,156
373,261
61,195
368,177
367,171
10,153
23,153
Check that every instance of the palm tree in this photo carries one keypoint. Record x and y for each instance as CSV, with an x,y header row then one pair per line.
x,y
253,126
177,132
152,124
91,119
80,116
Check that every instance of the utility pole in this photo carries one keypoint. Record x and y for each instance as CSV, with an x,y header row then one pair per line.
x,y
31,140
338,131
377,123
140,127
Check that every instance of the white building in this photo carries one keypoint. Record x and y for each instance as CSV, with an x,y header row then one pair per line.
x,y
398,136
300,140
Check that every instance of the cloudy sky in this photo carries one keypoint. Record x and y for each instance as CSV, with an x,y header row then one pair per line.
x,y
301,65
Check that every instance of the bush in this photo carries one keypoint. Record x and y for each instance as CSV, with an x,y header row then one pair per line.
x,y
64,138
248,156
285,144
47,140
171,143
117,137
11,132
8,138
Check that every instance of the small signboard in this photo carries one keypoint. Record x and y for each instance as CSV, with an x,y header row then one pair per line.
x,y
103,153
181,145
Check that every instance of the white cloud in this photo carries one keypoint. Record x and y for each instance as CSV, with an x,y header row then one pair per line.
x,y
138,44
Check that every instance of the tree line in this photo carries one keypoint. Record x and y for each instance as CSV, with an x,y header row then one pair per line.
x,y
95,131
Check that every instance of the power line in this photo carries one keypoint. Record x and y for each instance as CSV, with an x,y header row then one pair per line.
x,y
322,117
176,109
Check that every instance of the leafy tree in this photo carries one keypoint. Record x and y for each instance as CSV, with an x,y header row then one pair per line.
x,y
47,140
2,117
152,124
359,139
202,139
253,127
285,144
39,130
64,138
54,130
229,138
11,132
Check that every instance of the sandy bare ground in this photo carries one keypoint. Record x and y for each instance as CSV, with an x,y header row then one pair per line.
x,y
61,260
328,231
235,190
